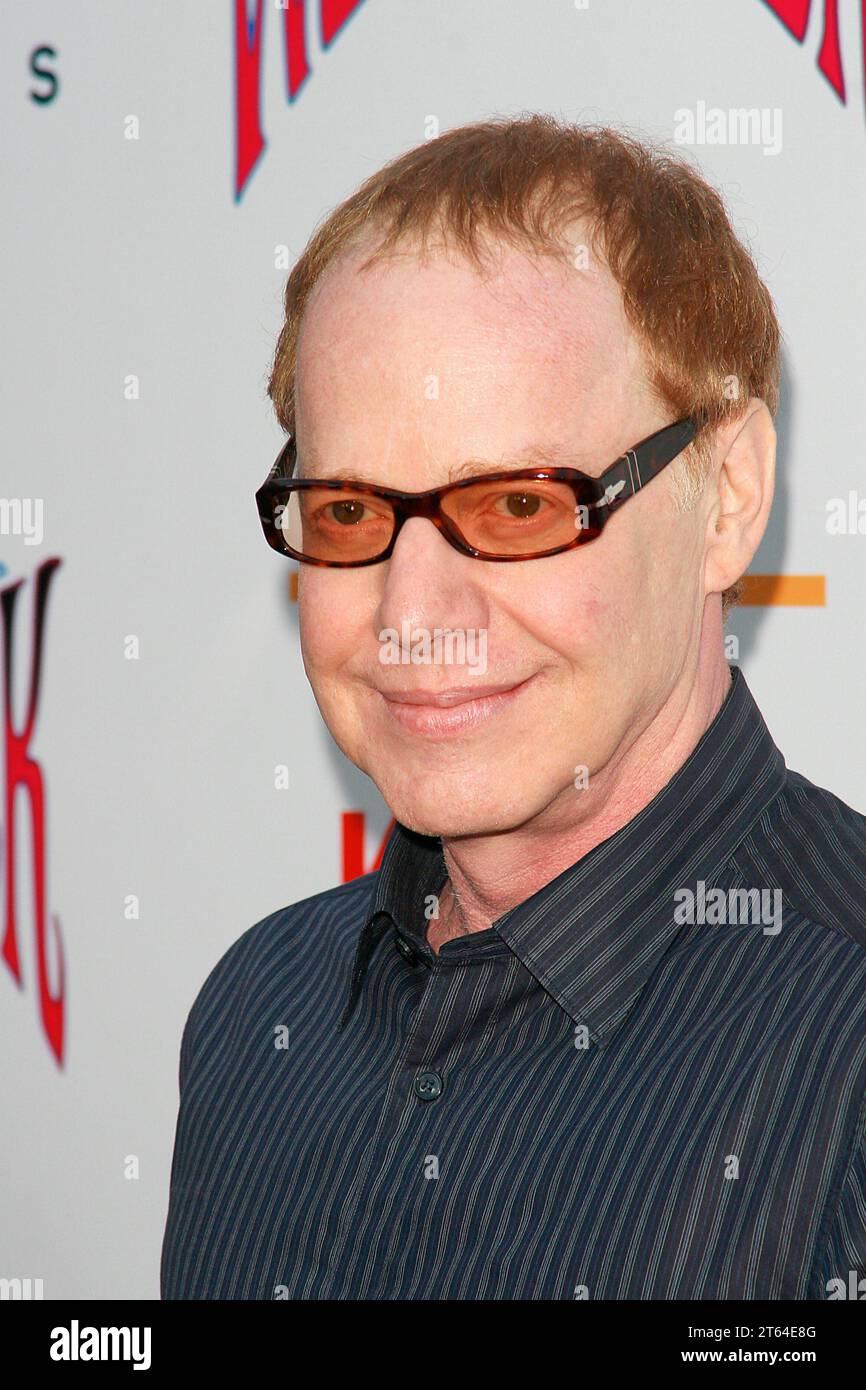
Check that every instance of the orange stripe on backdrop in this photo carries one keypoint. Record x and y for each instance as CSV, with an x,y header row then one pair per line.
x,y
760,590
787,590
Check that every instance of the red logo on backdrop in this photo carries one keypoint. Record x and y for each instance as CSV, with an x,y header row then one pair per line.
x,y
353,846
794,14
23,771
250,142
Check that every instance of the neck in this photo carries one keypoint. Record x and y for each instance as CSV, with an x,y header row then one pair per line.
x,y
488,875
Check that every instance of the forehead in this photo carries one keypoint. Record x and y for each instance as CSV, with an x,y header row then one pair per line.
x,y
529,299
529,342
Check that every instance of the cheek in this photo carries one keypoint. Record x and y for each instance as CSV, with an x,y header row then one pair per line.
x,y
312,634
558,615
603,605
582,600
330,620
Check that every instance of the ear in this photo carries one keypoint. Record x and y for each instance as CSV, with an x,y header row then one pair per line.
x,y
740,494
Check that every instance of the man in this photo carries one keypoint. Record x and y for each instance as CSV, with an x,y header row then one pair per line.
x,y
595,1029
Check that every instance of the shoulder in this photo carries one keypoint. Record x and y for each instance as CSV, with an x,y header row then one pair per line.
x,y
317,934
812,845
809,847
820,807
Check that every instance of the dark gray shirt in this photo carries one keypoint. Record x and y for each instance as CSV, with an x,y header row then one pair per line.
x,y
646,1081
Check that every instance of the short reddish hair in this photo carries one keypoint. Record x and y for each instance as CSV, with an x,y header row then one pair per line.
x,y
691,291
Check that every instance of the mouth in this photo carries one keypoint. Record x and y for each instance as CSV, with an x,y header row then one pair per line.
x,y
439,714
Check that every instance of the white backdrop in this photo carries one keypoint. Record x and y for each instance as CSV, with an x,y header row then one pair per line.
x,y
134,258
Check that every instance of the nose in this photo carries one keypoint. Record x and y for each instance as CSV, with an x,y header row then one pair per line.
x,y
421,537
428,583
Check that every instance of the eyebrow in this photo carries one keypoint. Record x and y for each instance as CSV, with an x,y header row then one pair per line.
x,y
536,457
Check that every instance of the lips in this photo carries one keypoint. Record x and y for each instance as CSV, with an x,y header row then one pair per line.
x,y
444,699
440,714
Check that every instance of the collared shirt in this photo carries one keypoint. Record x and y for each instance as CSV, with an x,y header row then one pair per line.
x,y
646,1081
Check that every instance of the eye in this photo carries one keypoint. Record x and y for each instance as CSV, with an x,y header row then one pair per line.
x,y
348,512
324,510
520,504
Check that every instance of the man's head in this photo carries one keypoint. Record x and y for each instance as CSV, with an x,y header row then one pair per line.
x,y
511,289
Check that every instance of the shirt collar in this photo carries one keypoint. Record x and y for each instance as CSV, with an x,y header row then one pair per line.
x,y
594,934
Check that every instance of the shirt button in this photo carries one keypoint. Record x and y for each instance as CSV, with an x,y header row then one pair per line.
x,y
406,950
428,1085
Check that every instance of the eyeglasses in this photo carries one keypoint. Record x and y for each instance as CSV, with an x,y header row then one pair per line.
x,y
338,522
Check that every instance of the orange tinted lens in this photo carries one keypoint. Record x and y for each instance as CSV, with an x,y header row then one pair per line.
x,y
521,517
336,524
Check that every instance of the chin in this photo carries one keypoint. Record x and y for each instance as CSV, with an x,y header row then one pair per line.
x,y
451,826
451,811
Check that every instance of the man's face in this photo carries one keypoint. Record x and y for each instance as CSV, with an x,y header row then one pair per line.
x,y
406,371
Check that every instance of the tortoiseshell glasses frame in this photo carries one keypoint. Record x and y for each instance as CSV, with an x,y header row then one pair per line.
x,y
597,498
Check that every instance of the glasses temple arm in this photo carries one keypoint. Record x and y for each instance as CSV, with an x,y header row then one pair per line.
x,y
640,465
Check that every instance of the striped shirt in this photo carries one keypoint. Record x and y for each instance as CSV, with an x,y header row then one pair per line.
x,y
646,1081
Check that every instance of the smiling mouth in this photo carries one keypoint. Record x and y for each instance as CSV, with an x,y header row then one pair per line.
x,y
453,711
